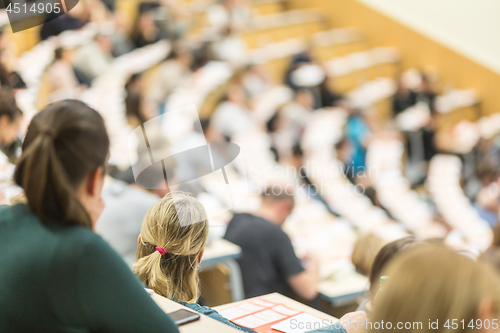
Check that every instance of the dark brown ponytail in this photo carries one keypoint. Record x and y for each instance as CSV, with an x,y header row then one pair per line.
x,y
64,144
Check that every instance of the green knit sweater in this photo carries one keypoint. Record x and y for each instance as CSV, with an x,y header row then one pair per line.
x,y
68,279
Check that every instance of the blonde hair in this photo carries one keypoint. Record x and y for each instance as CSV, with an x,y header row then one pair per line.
x,y
434,283
364,252
178,223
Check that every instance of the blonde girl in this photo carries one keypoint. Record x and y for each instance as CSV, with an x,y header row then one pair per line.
x,y
434,284
171,244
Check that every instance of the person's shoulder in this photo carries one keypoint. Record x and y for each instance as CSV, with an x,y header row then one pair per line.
x,y
78,242
251,222
249,219
6,213
16,213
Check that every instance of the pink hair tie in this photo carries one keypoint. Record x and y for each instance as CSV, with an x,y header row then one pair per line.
x,y
161,250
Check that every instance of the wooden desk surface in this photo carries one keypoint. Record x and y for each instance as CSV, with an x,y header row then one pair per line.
x,y
220,250
292,304
205,324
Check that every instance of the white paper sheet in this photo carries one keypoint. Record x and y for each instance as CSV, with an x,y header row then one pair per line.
x,y
284,310
269,316
234,312
250,307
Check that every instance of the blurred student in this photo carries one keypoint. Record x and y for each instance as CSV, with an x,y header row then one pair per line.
x,y
135,84
94,58
403,99
171,73
50,257
492,256
435,286
10,122
120,36
171,246
61,74
365,251
268,262
146,31
232,115
56,23
358,134
432,288
382,259
139,110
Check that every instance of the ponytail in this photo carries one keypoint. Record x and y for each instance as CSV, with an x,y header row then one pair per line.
x,y
64,144
172,276
173,272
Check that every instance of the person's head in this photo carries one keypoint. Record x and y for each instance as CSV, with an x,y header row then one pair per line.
x,y
487,171
104,43
492,256
135,83
212,134
277,203
146,22
363,254
305,98
178,225
343,150
180,54
402,88
433,283
236,94
138,110
63,54
385,256
10,117
62,166
272,124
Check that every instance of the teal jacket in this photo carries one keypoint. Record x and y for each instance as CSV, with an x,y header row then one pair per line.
x,y
68,279
209,312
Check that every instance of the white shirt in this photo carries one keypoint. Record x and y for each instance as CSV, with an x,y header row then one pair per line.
x,y
230,118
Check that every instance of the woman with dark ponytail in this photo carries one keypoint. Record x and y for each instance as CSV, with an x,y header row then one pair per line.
x,y
56,274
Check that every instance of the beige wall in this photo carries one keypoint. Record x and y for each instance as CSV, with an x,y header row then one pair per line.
x,y
470,27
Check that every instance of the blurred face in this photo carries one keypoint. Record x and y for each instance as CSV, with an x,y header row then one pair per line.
x,y
9,129
147,22
305,98
237,95
68,55
148,109
105,44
